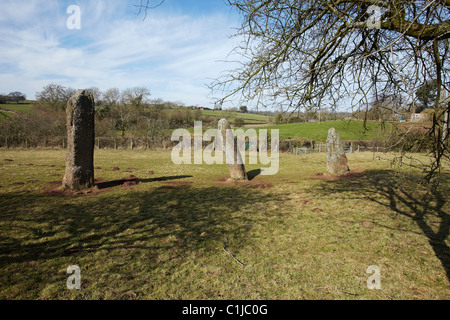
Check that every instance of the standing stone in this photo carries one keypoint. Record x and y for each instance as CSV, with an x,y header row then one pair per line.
x,y
336,158
232,154
80,141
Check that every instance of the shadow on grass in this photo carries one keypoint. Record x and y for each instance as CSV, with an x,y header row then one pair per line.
x,y
398,193
181,220
116,183
253,174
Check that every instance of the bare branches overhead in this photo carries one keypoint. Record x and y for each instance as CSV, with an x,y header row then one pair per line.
x,y
297,53
146,5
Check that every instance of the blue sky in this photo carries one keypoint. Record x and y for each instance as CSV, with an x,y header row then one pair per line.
x,y
175,52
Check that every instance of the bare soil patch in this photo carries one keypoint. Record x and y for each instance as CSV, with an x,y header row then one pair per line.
x,y
252,183
263,186
348,175
179,183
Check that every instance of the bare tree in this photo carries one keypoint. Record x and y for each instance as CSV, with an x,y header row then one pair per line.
x,y
145,5
68,93
111,96
17,96
137,96
125,116
303,53
55,96
97,93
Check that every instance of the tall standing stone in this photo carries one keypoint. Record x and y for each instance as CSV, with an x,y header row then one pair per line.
x,y
232,153
336,158
80,141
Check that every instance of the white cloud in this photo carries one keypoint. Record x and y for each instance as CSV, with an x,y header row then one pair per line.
x,y
172,55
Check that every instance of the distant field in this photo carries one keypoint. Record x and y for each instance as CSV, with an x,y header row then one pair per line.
x,y
230,116
348,130
24,107
248,117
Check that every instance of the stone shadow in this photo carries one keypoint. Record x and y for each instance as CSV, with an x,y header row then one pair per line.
x,y
115,183
253,174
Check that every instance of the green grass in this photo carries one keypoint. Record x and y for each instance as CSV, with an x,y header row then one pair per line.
x,y
24,107
164,238
4,114
230,116
248,117
348,130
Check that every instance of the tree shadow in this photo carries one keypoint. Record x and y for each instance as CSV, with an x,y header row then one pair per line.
x,y
398,194
194,217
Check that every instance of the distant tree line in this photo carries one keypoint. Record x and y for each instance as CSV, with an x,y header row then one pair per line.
x,y
308,115
15,96
123,115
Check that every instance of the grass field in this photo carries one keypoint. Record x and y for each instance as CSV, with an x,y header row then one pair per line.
x,y
299,234
230,116
24,107
348,130
248,117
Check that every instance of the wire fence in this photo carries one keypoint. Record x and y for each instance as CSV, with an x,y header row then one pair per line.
x,y
349,147
129,143
60,142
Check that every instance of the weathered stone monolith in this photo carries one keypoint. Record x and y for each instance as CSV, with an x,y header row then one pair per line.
x,y
80,141
232,153
336,158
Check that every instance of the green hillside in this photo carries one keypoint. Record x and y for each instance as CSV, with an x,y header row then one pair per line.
x,y
247,117
348,130
24,107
